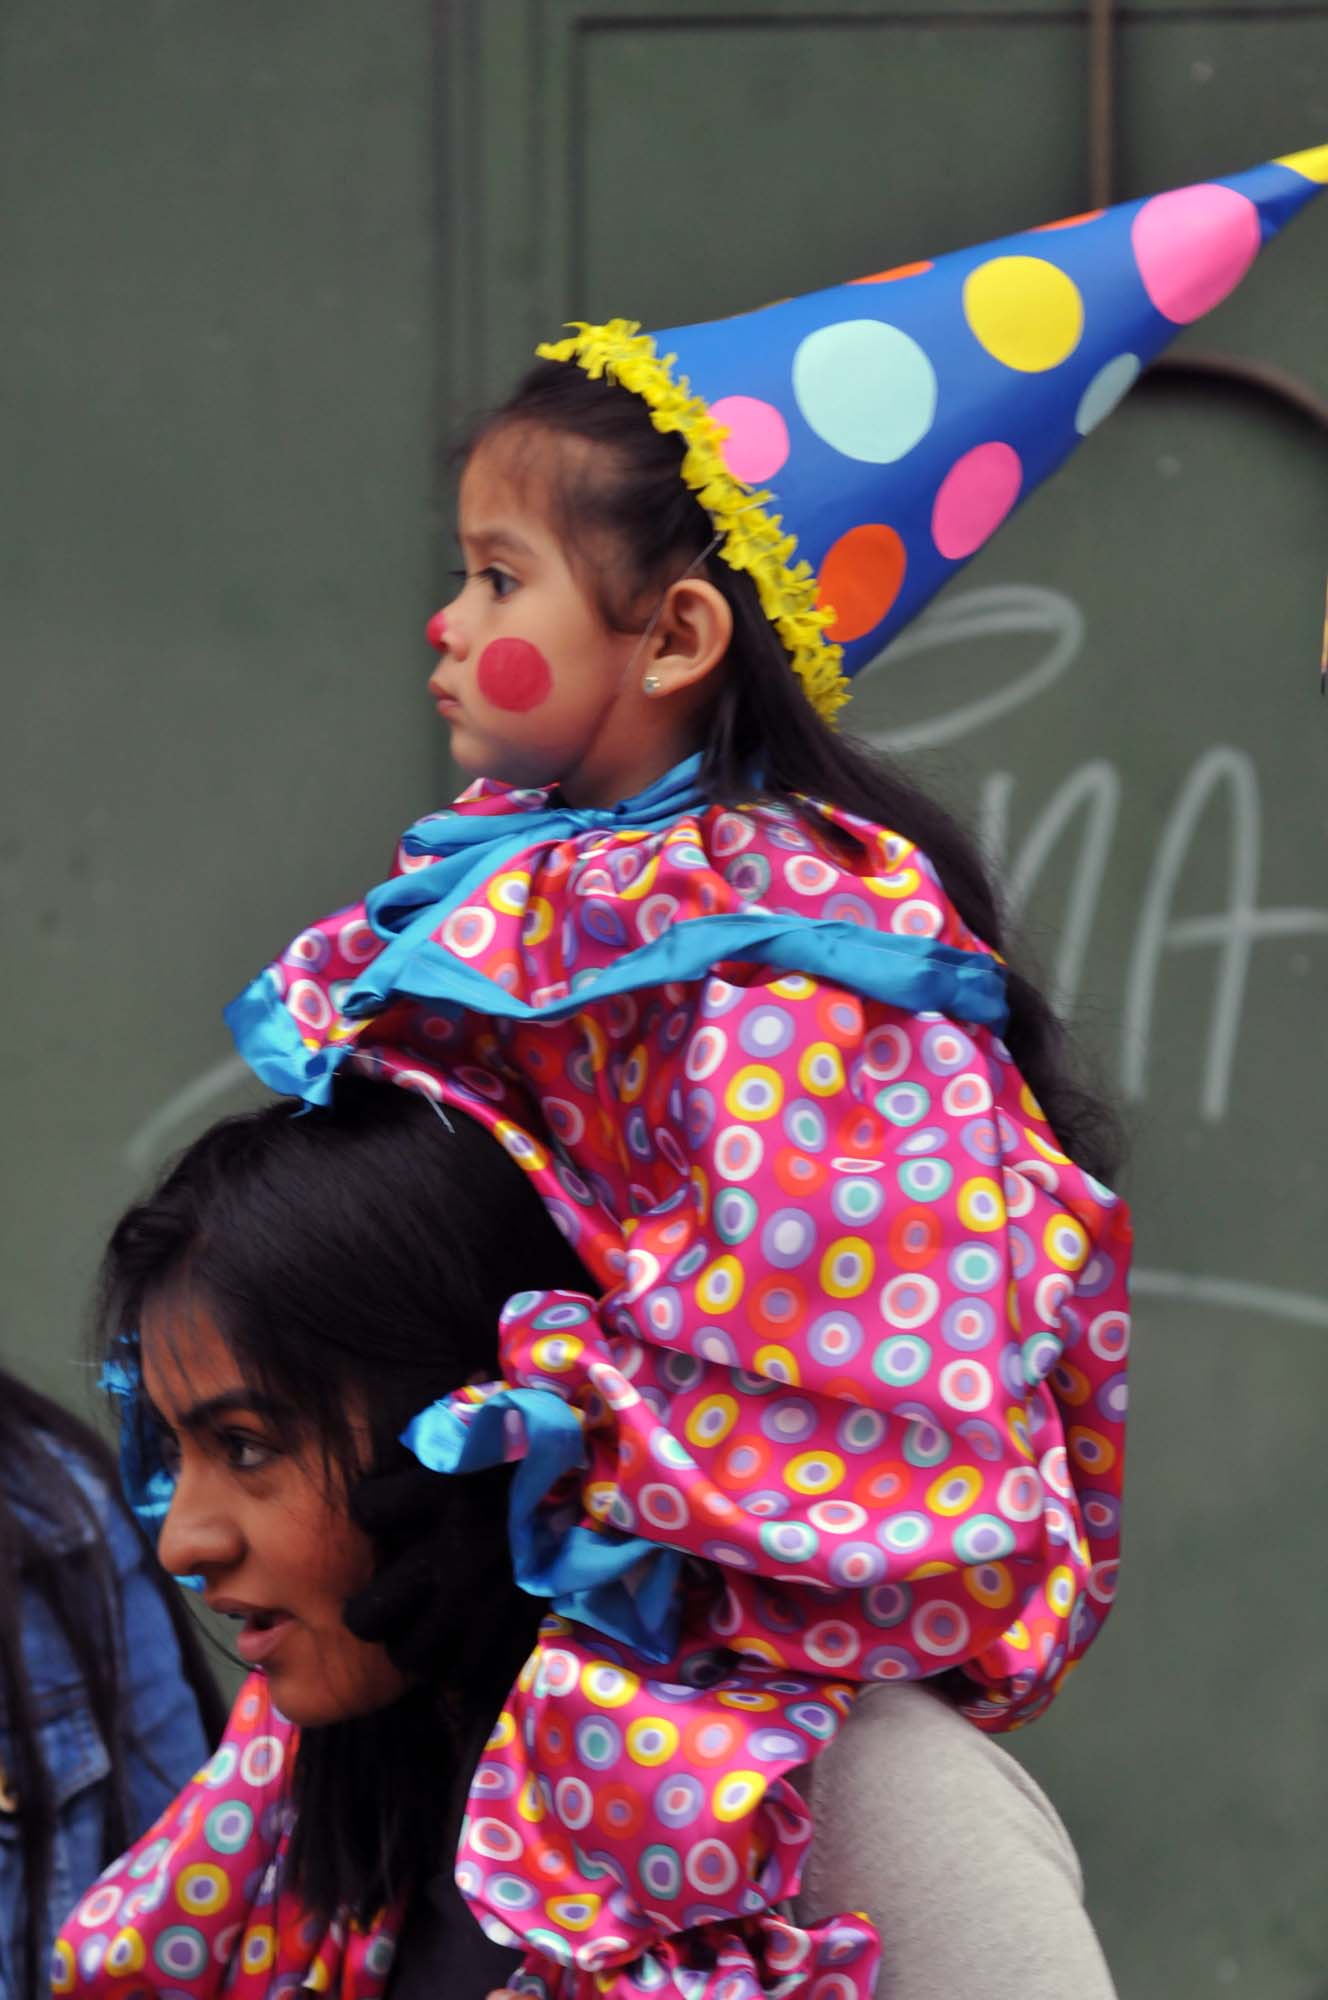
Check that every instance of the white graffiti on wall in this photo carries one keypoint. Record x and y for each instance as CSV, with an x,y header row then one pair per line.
x,y
1222,775
1232,932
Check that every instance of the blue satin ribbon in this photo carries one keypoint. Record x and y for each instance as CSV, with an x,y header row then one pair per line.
x,y
147,1486
473,847
617,1584
266,1036
913,974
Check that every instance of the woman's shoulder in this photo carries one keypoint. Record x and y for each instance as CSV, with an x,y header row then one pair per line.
x,y
955,1851
908,1746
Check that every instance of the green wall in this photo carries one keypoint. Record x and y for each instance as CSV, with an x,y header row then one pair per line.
x,y
262,256
219,323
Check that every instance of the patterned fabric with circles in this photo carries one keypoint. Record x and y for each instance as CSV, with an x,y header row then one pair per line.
x,y
636,1832
860,1350
196,1907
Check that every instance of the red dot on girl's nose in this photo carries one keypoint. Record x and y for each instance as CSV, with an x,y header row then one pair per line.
x,y
436,632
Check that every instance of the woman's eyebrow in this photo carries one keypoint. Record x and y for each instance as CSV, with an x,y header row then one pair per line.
x,y
201,1414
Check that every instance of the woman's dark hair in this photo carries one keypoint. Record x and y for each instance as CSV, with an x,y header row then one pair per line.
x,y
53,1545
355,1259
626,499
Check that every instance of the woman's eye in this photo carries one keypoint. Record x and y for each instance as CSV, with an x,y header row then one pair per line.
x,y
168,1451
244,1452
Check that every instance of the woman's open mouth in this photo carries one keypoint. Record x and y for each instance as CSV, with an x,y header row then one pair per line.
x,y
261,1634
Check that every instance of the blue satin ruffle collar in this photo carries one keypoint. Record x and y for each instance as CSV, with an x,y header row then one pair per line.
x,y
914,974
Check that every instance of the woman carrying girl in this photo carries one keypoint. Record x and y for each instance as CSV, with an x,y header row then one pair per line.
x,y
844,1401
293,1289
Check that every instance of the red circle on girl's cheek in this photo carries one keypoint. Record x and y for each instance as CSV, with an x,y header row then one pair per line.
x,y
513,674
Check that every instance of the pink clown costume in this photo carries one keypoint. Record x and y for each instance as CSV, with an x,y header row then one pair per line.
x,y
848,1407
197,1906
859,1356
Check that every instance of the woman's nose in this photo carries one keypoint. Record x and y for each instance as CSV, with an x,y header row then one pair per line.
x,y
198,1536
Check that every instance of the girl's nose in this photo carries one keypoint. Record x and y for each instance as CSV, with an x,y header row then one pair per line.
x,y
198,1537
446,630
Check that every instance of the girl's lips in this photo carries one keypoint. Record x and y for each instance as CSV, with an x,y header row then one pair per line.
x,y
257,1642
447,704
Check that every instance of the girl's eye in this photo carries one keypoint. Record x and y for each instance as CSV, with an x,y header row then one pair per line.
x,y
500,581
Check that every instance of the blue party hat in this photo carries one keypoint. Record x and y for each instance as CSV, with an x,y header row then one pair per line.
x,y
855,446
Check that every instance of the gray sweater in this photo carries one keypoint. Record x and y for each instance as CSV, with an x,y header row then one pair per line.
x,y
921,1821
954,1851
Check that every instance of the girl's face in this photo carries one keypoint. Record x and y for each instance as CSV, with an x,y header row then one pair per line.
x,y
535,687
265,1525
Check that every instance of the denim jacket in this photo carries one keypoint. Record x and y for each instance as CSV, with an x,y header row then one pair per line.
x,y
163,1732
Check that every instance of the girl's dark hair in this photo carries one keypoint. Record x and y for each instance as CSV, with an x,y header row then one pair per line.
x,y
53,1545
356,1259
630,524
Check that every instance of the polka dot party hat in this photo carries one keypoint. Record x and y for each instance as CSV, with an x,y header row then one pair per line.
x,y
855,446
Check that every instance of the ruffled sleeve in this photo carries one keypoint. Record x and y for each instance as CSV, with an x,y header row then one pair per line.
x,y
198,1906
866,1356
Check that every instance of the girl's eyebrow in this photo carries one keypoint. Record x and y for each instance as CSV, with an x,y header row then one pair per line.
x,y
497,538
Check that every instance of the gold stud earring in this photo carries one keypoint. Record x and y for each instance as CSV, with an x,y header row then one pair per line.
x,y
651,684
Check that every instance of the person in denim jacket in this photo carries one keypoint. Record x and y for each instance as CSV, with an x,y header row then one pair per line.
x,y
106,1704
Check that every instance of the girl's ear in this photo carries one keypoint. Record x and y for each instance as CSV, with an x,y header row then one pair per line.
x,y
691,636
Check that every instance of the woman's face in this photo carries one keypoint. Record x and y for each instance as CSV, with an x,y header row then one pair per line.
x,y
263,1523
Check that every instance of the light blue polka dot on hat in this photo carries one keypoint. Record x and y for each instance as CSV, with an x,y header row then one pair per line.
x,y
1105,390
866,388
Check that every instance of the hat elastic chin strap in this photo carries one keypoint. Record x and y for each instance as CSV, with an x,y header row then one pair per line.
x,y
658,611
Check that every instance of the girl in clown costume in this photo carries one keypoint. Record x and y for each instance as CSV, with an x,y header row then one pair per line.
x,y
848,1408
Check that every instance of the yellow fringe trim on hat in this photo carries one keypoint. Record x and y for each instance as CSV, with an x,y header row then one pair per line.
x,y
754,541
